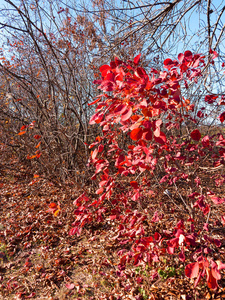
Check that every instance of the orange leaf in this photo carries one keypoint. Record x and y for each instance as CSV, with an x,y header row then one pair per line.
x,y
56,212
38,73
21,132
136,134
31,157
38,145
38,153
53,205
147,112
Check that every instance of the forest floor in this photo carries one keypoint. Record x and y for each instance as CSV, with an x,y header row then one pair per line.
x,y
39,260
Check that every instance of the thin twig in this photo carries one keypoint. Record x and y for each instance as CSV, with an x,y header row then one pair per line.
x,y
185,204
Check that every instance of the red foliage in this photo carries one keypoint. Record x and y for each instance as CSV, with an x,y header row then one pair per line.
x,y
145,108
196,135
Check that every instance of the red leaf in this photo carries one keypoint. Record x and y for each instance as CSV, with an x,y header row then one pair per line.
x,y
223,220
119,159
192,270
169,63
220,265
188,54
155,218
96,118
136,134
136,196
37,137
134,184
180,57
211,280
94,154
161,139
127,114
107,86
205,141
222,117
215,54
99,191
158,123
100,148
196,135
23,127
215,270
53,205
147,135
38,154
206,226
140,72
217,200
103,69
82,197
73,230
210,98
200,114
182,255
170,250
123,260
117,61
70,286
94,101
157,132
198,278
173,243
137,59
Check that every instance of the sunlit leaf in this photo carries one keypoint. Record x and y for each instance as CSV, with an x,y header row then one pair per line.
x,y
22,132
137,59
136,134
192,270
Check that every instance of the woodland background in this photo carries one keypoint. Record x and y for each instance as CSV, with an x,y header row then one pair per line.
x,y
50,55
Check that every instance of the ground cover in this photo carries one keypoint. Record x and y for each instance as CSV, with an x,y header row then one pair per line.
x,y
39,260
